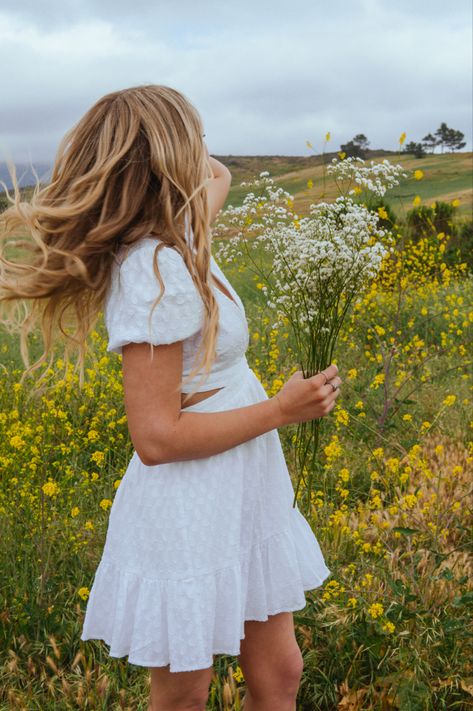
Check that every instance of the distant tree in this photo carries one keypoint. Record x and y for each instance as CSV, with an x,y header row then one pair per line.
x,y
430,141
351,149
442,133
449,137
361,140
357,147
416,149
454,140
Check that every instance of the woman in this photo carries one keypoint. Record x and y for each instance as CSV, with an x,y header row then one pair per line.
x,y
204,552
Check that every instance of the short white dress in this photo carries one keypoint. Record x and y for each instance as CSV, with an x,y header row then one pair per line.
x,y
196,547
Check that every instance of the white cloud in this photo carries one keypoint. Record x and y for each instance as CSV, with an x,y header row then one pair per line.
x,y
265,76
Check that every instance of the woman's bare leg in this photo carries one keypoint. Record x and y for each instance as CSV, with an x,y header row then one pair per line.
x,y
176,691
272,664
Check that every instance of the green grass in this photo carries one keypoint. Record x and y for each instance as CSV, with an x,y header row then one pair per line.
x,y
445,178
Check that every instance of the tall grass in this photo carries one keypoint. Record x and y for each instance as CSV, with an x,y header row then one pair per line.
x,y
391,627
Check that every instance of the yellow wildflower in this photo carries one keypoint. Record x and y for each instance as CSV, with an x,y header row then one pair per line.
x,y
238,674
377,380
449,400
50,488
341,417
17,442
98,457
83,593
375,610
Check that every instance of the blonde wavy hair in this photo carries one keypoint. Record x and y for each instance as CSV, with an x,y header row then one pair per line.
x,y
134,165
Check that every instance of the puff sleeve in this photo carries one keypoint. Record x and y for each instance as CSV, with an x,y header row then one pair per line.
x,y
133,289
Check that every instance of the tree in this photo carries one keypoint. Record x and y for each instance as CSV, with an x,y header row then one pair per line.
x,y
430,141
416,148
357,147
362,141
454,140
449,137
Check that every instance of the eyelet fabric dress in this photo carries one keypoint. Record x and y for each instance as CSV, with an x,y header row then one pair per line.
x,y
194,548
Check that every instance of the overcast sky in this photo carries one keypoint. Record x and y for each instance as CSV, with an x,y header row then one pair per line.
x,y
265,76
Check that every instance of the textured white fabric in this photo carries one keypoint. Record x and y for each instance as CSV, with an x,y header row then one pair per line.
x,y
179,314
196,547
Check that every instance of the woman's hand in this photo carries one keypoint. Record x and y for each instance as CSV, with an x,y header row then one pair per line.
x,y
303,399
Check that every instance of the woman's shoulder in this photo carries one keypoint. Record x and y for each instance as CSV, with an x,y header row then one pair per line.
x,y
134,289
135,262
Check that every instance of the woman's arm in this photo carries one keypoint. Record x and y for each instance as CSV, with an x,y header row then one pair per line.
x,y
218,187
162,432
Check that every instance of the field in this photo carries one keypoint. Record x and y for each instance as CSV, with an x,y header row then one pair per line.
x,y
447,177
391,628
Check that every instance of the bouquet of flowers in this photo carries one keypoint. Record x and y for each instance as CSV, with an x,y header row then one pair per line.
x,y
312,268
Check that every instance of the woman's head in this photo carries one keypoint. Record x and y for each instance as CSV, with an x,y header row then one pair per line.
x,y
134,164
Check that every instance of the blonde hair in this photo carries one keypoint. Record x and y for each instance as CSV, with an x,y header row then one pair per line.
x,y
134,165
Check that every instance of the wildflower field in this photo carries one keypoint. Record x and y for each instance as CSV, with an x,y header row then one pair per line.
x,y
391,627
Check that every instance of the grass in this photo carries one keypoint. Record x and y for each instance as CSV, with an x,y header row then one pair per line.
x,y
391,628
446,177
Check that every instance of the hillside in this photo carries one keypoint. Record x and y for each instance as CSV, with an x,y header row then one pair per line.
x,y
446,177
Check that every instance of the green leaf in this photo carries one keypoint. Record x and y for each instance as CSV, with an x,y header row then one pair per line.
x,y
465,599
406,531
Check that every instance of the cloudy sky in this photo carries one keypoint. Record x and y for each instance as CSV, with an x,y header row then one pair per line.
x,y
265,75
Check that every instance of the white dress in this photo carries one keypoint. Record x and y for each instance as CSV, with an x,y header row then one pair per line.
x,y
196,547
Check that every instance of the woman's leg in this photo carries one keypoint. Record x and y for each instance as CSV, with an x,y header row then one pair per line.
x,y
272,664
179,691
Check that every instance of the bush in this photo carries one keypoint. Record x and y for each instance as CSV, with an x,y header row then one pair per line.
x,y
422,221
3,202
460,248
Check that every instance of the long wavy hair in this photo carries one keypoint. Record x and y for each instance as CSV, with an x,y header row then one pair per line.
x,y
134,165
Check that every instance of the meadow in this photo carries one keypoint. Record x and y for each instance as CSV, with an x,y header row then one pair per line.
x,y
391,628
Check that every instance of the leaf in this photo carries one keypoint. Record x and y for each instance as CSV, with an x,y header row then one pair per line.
x,y
465,599
405,400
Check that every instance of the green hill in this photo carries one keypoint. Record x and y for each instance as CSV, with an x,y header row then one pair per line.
x,y
446,177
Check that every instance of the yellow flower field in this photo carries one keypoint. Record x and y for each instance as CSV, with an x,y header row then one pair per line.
x,y
391,627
